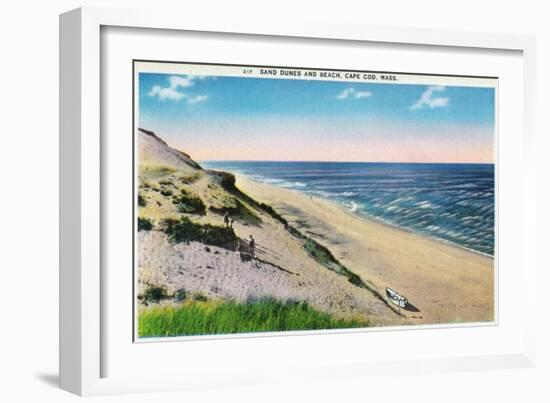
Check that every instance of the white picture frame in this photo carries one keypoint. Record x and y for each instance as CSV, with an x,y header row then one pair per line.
x,y
81,173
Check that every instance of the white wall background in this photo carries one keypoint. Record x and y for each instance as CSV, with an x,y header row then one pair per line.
x,y
29,201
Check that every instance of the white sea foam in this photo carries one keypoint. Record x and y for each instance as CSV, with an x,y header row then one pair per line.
x,y
281,182
347,194
353,207
425,204
294,184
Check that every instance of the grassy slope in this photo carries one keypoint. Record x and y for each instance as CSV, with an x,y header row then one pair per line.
x,y
225,317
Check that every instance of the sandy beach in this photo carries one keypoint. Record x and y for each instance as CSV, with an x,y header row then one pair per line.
x,y
443,283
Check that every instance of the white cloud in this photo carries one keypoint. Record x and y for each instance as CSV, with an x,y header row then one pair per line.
x,y
352,93
344,94
178,81
362,94
173,92
166,93
427,99
196,99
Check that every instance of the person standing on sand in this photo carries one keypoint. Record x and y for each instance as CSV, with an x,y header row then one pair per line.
x,y
251,246
226,219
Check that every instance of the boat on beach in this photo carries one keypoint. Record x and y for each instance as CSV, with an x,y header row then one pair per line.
x,y
395,298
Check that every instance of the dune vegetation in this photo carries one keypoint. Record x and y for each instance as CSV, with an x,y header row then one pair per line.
x,y
184,230
225,317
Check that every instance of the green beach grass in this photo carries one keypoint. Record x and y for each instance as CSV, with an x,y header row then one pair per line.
x,y
226,317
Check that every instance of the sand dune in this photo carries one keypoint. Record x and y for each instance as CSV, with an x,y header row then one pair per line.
x,y
282,268
154,151
219,273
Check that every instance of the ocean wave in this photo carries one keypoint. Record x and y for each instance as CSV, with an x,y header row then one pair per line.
x,y
352,206
426,205
468,218
464,186
347,194
294,184
279,182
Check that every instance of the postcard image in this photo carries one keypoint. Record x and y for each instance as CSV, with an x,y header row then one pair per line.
x,y
279,199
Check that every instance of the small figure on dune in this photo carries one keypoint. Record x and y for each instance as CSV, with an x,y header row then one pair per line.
x,y
245,256
240,251
226,219
231,222
251,246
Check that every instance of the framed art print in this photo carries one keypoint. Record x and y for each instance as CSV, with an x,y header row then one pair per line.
x,y
273,199
249,203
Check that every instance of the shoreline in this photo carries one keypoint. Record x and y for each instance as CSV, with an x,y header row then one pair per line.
x,y
380,221
444,282
367,217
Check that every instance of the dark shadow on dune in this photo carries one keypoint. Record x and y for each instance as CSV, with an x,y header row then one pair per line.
x,y
49,379
267,251
411,308
275,266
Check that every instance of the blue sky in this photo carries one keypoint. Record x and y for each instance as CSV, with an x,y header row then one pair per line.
x,y
328,120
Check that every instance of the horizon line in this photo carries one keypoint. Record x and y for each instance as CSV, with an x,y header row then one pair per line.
x,y
349,162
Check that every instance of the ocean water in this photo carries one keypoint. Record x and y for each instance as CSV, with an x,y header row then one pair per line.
x,y
452,202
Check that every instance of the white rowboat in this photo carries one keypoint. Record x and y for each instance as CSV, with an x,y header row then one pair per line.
x,y
397,299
